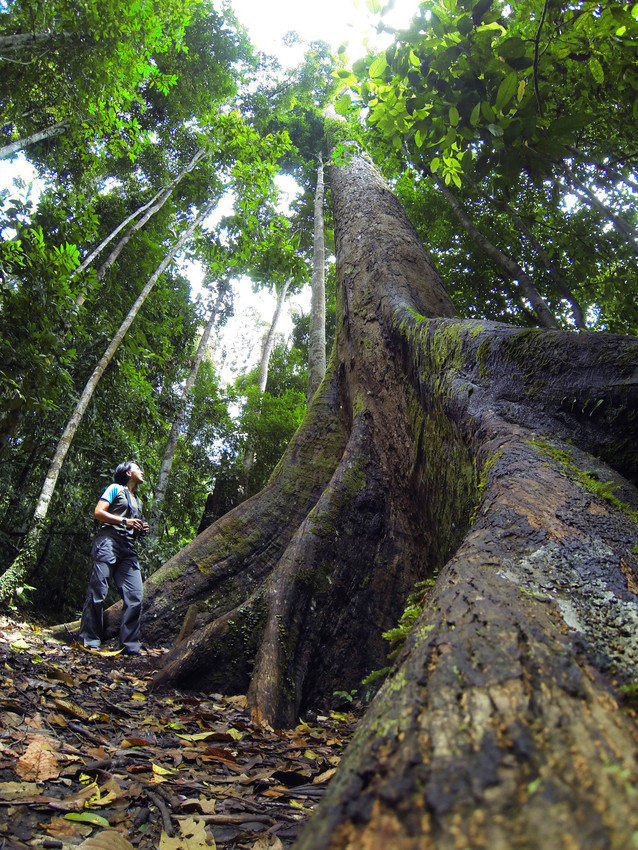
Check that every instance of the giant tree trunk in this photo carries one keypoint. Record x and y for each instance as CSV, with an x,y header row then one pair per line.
x,y
476,449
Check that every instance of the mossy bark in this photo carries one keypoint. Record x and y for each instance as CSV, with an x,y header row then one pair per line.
x,y
505,460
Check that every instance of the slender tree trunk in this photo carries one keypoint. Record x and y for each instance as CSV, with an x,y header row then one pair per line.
x,y
20,41
563,288
86,262
269,340
591,200
471,449
153,206
262,379
178,421
48,133
616,176
512,269
317,341
27,557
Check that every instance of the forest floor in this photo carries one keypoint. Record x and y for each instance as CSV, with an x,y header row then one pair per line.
x,y
91,758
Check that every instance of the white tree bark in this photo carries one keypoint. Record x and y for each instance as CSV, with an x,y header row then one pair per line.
x,y
266,351
180,415
150,208
317,341
48,133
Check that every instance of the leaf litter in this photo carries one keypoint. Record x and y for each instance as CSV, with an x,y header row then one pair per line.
x,y
91,758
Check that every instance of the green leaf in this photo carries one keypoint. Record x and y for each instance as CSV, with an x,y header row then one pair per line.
x,y
374,6
454,116
507,90
479,10
342,106
378,66
359,67
487,112
87,817
511,48
476,113
464,25
596,70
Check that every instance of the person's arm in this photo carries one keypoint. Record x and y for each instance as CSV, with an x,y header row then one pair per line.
x,y
102,514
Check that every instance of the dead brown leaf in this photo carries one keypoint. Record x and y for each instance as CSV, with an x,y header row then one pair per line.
x,y
61,828
10,791
108,839
59,676
39,761
72,708
267,842
194,836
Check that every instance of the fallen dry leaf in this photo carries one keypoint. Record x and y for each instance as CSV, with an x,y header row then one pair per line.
x,y
267,842
193,837
232,777
72,708
39,762
59,676
61,828
17,790
108,839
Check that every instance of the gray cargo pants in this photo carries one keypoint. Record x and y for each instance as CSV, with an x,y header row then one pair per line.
x,y
114,557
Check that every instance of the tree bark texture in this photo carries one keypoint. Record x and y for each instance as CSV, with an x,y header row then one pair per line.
x,y
51,132
503,460
317,341
20,41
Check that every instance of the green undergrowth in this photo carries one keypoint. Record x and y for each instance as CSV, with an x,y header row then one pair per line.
x,y
398,635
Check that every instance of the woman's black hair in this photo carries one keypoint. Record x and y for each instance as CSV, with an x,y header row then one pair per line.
x,y
120,475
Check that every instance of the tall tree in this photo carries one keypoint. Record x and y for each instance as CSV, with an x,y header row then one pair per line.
x,y
468,448
317,339
262,377
500,97
178,420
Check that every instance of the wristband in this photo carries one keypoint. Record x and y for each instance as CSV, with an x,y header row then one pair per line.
x,y
123,522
